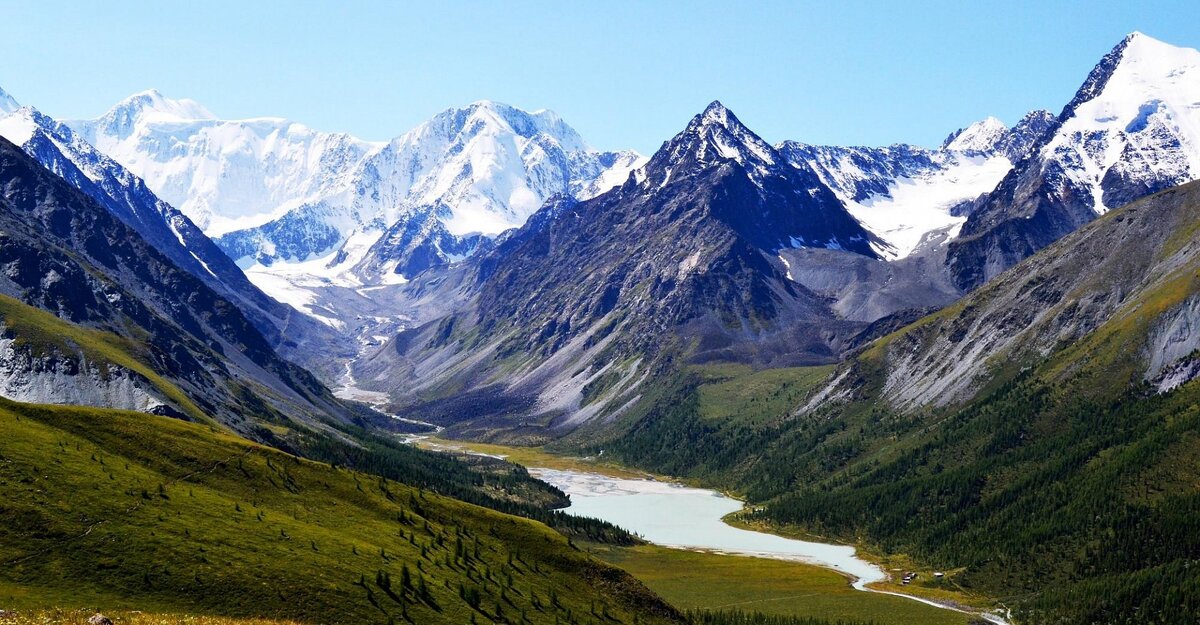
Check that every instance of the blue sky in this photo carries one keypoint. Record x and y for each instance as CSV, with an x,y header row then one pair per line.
x,y
625,74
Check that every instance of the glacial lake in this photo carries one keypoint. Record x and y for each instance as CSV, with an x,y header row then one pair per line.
x,y
673,515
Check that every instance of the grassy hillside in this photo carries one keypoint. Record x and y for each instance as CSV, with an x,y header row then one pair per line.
x,y
126,510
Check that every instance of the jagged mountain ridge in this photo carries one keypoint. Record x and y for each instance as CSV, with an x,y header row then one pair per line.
x,y
1132,128
286,194
223,174
591,294
907,194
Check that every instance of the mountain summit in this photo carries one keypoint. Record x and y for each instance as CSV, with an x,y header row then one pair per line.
x,y
786,205
1132,129
682,260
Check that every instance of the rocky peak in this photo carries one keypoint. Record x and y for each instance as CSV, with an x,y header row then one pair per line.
x,y
982,136
713,137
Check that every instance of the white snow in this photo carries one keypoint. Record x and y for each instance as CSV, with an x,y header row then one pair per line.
x,y
1152,96
981,136
489,165
17,127
918,206
223,174
295,283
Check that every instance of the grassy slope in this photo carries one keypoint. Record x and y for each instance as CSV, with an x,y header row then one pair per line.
x,y
126,510
693,580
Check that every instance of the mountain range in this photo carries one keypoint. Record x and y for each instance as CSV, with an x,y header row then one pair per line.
x,y
952,340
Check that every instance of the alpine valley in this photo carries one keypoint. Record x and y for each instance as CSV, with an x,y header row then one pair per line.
x,y
222,338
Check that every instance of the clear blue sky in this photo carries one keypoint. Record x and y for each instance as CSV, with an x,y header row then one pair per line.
x,y
625,74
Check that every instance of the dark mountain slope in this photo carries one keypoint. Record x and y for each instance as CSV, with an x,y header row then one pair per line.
x,y
168,230
63,252
572,312
1040,436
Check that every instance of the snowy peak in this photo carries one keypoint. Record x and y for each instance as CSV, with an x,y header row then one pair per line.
x,y
19,126
152,102
491,164
714,136
722,134
489,118
1140,67
7,103
982,136
1134,125
1132,129
223,174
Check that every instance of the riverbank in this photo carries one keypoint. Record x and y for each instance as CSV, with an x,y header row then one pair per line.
x,y
691,579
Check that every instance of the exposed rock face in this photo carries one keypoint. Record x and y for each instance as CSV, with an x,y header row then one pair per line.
x,y
72,380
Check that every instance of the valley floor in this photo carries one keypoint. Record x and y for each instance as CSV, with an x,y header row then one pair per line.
x,y
703,580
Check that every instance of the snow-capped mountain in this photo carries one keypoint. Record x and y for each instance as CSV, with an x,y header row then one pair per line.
x,y
1132,129
1135,128
684,254
905,194
223,174
483,169
274,191
57,148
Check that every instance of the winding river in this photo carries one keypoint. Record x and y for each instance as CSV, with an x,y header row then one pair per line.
x,y
674,515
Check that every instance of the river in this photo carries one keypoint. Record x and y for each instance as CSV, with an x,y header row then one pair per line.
x,y
674,515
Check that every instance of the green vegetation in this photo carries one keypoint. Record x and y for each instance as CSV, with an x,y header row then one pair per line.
x,y
1077,510
1067,488
730,392
132,617
132,511
714,583
489,482
530,457
738,617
